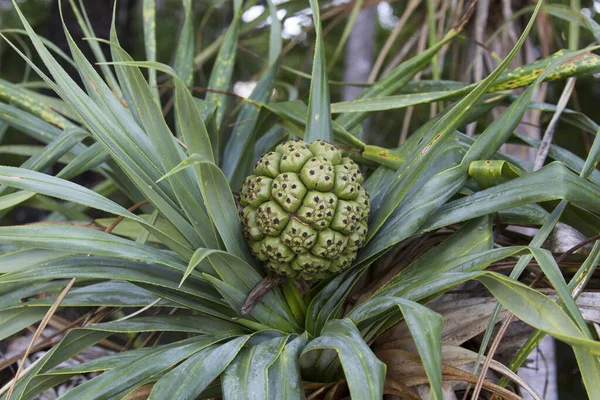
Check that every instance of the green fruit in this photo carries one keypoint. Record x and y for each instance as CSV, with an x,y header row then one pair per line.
x,y
305,211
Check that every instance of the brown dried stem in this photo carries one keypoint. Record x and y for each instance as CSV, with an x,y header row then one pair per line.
x,y
269,282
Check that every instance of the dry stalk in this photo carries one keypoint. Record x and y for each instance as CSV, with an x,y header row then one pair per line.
x,y
11,385
410,7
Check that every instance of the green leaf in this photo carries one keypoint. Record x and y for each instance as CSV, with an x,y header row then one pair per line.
x,y
537,310
46,43
148,276
473,237
589,168
593,26
168,151
531,214
275,38
62,189
190,124
531,188
294,300
12,321
48,157
190,117
27,123
246,376
222,70
28,101
435,137
88,159
132,229
184,55
244,270
51,153
21,259
576,285
566,157
436,183
48,204
149,17
87,241
102,363
74,342
30,150
589,367
199,324
578,63
365,374
553,273
108,294
219,203
123,144
284,377
237,160
527,304
155,361
294,114
318,122
16,295
57,105
490,173
13,199
572,117
190,378
326,304
238,274
439,270
262,312
425,327
88,31
205,303
371,317
548,267
394,102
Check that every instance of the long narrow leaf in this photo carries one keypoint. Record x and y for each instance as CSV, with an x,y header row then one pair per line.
x,y
364,372
127,375
246,376
425,327
62,189
190,378
284,377
220,77
318,123
184,55
149,16
219,203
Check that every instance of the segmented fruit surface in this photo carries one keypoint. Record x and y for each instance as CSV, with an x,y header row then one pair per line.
x,y
304,210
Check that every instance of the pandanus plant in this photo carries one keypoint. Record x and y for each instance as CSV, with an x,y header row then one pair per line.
x,y
331,213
